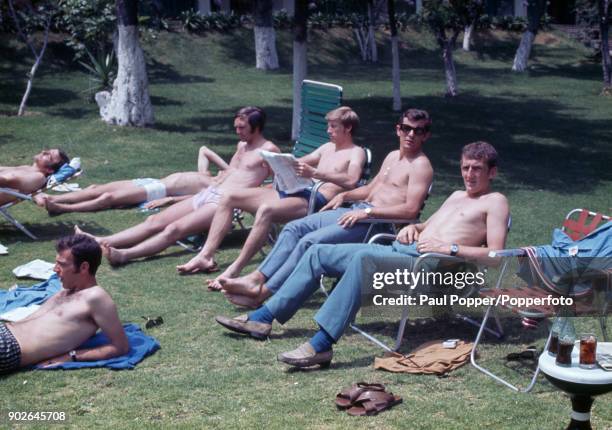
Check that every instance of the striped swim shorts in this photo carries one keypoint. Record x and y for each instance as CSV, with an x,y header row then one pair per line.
x,y
10,352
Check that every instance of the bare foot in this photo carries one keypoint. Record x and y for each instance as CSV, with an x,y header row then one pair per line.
x,y
41,199
77,230
241,286
214,284
198,264
53,208
243,301
114,256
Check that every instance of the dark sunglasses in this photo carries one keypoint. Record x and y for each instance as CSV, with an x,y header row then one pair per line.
x,y
419,131
153,322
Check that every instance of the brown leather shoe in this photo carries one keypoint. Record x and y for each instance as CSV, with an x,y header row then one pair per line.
x,y
241,324
305,356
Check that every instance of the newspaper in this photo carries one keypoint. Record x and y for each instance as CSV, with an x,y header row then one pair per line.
x,y
285,177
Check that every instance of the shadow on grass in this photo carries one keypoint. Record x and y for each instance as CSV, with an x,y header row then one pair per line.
x,y
46,231
160,73
540,145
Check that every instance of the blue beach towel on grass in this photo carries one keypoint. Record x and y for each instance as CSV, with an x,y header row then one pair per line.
x,y
26,296
141,346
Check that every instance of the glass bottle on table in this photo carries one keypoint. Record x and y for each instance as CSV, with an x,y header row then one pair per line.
x,y
567,338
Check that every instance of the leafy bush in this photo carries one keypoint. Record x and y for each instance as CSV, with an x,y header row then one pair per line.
x,y
102,69
90,25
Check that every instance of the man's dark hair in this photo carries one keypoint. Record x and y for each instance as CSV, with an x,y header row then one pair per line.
x,y
63,160
480,151
256,117
415,115
83,248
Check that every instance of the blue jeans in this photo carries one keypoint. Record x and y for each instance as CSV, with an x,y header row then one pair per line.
x,y
351,262
299,235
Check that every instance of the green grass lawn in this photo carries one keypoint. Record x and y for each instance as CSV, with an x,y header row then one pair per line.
x,y
552,131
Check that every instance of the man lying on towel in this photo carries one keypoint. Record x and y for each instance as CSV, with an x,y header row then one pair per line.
x,y
27,179
50,335
156,192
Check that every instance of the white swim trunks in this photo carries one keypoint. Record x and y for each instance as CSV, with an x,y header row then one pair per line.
x,y
154,188
209,195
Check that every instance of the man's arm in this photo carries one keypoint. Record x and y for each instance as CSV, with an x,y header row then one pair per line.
x,y
205,156
347,179
104,314
416,193
497,230
360,193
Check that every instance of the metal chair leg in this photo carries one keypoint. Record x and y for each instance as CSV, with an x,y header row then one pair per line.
x,y
17,224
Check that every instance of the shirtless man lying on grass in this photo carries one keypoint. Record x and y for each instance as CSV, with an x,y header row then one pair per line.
x,y
64,322
194,214
27,179
338,163
127,193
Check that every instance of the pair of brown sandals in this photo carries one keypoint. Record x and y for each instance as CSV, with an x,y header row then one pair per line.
x,y
365,398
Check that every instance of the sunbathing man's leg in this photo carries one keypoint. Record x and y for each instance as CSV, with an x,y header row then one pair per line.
x,y
249,200
152,225
281,211
89,193
130,194
194,222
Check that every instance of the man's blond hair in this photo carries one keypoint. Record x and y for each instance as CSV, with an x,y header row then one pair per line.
x,y
347,117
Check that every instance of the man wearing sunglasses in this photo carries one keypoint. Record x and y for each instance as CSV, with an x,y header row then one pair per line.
x,y
53,334
397,192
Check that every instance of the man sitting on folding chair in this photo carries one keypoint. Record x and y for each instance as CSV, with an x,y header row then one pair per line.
x,y
338,163
397,192
469,224
27,179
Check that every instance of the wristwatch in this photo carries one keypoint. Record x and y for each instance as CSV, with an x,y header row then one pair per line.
x,y
72,355
368,211
454,249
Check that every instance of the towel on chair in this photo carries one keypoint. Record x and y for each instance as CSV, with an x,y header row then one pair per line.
x,y
141,346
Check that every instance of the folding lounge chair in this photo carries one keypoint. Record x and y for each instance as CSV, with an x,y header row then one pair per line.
x,y
421,261
576,229
318,98
65,173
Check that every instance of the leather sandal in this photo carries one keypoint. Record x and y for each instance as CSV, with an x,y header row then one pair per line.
x,y
346,398
372,402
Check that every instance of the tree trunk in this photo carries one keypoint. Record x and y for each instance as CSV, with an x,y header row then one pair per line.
x,y
449,70
38,56
300,40
266,57
362,42
535,11
395,64
467,36
371,32
523,52
129,103
604,11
